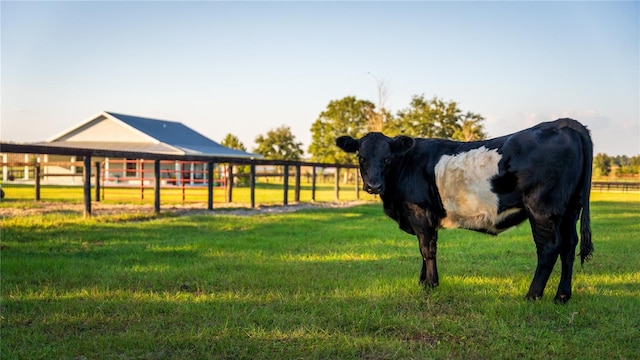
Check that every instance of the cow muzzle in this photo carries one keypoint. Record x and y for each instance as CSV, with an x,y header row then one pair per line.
x,y
374,188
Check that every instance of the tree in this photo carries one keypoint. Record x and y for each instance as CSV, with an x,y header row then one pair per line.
x,y
436,118
279,144
378,116
347,116
471,128
602,162
232,142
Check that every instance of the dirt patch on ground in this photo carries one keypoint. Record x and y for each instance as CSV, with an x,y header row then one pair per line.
x,y
98,209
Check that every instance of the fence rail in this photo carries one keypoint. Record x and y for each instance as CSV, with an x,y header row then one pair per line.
x,y
151,172
615,186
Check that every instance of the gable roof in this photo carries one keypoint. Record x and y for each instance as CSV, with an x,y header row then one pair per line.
x,y
108,130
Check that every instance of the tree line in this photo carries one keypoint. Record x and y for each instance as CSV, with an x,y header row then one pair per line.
x,y
433,118
423,117
619,165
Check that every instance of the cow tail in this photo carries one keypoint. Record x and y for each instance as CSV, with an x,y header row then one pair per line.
x,y
586,246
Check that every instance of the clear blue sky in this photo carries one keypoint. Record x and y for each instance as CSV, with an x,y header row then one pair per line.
x,y
248,67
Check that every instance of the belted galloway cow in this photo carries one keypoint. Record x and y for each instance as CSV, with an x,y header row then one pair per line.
x,y
541,174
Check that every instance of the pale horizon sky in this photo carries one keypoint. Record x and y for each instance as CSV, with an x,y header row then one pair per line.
x,y
248,67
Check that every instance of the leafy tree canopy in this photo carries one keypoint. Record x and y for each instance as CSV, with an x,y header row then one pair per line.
x,y
279,144
431,118
602,163
231,141
435,118
347,116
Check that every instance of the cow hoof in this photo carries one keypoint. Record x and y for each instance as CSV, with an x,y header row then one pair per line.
x,y
532,297
561,298
428,285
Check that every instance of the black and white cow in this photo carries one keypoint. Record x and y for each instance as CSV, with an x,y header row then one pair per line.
x,y
542,174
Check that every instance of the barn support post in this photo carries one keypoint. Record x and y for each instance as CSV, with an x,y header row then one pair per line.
x,y
230,183
36,174
156,186
313,183
337,184
97,190
87,186
296,197
286,184
252,182
210,167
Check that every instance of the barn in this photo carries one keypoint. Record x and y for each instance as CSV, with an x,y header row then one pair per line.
x,y
114,131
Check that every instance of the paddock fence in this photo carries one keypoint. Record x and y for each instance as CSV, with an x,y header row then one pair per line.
x,y
39,172
615,186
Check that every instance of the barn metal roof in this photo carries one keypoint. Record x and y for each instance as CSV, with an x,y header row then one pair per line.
x,y
162,136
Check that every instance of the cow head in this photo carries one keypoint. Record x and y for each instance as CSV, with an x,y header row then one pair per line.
x,y
376,153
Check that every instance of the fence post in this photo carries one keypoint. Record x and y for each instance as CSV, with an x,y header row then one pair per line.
x,y
210,167
357,171
337,184
297,189
36,174
5,169
97,195
252,182
230,184
156,186
140,166
286,184
313,183
87,186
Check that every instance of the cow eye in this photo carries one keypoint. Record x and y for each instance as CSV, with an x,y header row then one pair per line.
x,y
361,159
387,160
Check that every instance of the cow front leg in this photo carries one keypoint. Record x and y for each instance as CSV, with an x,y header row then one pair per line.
x,y
428,250
427,235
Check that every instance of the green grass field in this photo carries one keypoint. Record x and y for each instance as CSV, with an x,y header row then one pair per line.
x,y
314,284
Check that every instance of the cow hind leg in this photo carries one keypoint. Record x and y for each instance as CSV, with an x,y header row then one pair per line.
x,y
567,255
423,273
546,236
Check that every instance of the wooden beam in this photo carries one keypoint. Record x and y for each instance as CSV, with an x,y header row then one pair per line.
x,y
286,185
313,183
252,181
229,183
156,186
36,172
296,197
336,184
357,184
87,186
210,169
97,190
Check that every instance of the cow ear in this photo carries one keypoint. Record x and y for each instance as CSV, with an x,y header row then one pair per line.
x,y
347,143
402,143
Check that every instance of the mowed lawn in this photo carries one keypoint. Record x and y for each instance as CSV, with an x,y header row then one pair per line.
x,y
315,284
